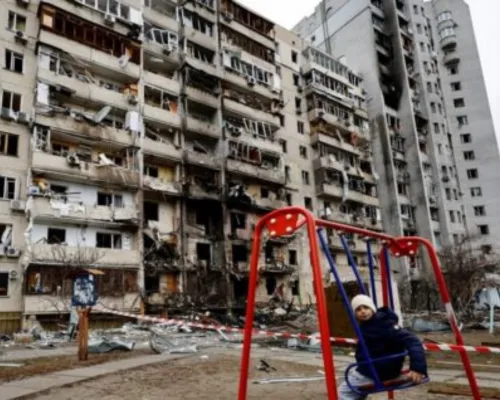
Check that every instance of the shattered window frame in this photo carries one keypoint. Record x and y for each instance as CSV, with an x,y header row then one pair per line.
x,y
8,188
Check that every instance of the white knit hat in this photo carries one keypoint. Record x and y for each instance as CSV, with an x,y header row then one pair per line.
x,y
363,300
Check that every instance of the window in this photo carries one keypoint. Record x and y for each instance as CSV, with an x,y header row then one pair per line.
x,y
56,236
456,86
459,103
452,216
448,194
484,229
289,199
282,120
292,257
108,240
109,199
303,152
8,144
7,188
433,107
465,138
419,28
4,283
308,203
284,148
436,127
476,191
453,70
472,173
11,100
14,61
462,120
296,80
415,9
17,22
300,127
469,155
294,57
305,178
479,211
429,87
151,212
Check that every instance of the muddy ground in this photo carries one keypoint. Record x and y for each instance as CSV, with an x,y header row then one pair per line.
x,y
214,378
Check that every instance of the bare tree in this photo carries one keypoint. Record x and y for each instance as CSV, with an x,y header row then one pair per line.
x,y
465,269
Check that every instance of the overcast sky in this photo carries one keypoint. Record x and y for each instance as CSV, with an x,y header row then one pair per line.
x,y
485,15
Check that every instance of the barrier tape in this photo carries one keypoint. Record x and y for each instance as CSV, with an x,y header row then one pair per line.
x,y
288,335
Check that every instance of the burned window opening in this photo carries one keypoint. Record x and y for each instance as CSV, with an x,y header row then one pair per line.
x,y
204,252
151,211
271,284
252,127
240,288
253,155
246,44
97,37
240,253
238,221
249,99
200,53
247,18
157,97
201,80
56,236
193,20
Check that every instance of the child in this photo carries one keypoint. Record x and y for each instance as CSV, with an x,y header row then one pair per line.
x,y
383,337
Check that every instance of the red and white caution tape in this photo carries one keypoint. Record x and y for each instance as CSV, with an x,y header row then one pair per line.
x,y
288,335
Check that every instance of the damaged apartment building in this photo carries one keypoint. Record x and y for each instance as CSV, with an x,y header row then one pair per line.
x,y
143,140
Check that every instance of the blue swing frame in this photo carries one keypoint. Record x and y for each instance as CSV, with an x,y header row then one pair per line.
x,y
379,386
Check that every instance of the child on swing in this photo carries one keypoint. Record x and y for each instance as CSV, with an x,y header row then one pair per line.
x,y
383,337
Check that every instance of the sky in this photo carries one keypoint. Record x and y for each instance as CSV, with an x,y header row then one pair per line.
x,y
484,15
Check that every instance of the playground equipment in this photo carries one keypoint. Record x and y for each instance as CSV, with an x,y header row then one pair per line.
x,y
287,221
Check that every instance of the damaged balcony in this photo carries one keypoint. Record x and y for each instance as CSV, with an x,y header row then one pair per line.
x,y
204,8
335,140
201,87
202,151
202,120
105,14
79,163
202,183
262,198
118,54
274,260
48,289
331,116
250,105
161,13
247,23
203,221
241,228
246,160
62,209
255,133
161,106
161,48
163,80
161,176
197,29
201,58
161,142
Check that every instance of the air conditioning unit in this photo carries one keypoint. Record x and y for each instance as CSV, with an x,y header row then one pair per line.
x,y
73,160
17,205
132,99
167,49
21,37
109,19
251,80
12,252
23,118
13,274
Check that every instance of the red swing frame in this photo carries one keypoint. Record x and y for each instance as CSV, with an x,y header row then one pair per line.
x,y
285,221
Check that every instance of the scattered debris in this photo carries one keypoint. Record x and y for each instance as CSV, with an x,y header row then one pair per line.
x,y
264,366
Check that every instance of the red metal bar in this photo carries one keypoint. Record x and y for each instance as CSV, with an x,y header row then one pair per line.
x,y
318,289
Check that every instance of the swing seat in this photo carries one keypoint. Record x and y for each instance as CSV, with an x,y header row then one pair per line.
x,y
400,383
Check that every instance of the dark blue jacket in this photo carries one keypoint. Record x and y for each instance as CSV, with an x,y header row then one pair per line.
x,y
383,337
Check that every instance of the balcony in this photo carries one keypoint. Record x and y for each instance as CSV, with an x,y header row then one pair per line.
x,y
162,82
155,51
270,204
330,190
202,97
63,124
241,81
160,19
451,58
162,149
86,92
43,253
344,126
89,55
52,304
210,69
45,209
202,11
58,167
168,187
203,127
250,33
249,112
449,41
162,116
263,144
334,142
362,198
318,88
200,38
255,171
203,160
210,191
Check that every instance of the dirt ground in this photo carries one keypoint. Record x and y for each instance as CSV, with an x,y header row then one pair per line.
x,y
213,378
49,364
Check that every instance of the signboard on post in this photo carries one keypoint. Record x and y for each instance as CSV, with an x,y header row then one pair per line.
x,y
83,291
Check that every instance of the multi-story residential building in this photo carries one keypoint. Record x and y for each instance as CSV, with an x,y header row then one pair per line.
x,y
471,126
392,48
145,139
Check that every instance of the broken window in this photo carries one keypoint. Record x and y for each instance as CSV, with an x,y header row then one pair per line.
x,y
95,36
11,101
328,82
247,18
7,188
271,285
203,252
14,61
259,128
158,98
200,53
17,22
151,211
108,240
240,253
161,36
56,236
151,171
4,283
109,199
292,257
9,144
238,221
194,21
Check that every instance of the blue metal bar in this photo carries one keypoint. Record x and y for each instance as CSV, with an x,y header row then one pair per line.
x,y
350,311
371,268
353,265
389,276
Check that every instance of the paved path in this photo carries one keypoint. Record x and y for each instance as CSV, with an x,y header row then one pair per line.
x,y
30,386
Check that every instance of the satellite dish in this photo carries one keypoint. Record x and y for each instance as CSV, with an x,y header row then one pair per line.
x,y
101,114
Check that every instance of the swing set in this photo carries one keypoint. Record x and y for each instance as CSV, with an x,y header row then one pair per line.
x,y
287,221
